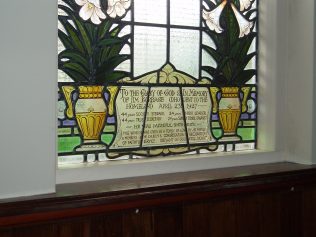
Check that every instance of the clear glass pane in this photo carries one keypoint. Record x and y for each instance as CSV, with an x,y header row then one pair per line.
x,y
149,49
185,12
70,159
151,11
244,146
184,50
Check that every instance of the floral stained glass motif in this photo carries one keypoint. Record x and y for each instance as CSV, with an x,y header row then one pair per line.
x,y
142,78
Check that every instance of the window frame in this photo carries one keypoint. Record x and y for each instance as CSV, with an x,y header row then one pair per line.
x,y
269,149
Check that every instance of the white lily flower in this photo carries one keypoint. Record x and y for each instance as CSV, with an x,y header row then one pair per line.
x,y
212,18
91,9
118,7
245,4
244,25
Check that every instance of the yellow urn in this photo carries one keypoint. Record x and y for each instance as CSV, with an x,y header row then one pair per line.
x,y
229,107
229,110
90,112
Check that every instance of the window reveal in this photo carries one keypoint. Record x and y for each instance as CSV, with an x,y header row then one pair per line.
x,y
145,78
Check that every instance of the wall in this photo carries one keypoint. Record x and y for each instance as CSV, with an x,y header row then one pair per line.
x,y
27,99
28,62
299,84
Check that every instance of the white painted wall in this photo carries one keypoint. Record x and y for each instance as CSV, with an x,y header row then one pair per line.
x,y
299,82
28,95
270,46
28,39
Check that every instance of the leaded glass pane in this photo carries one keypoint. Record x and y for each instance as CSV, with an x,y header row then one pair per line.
x,y
185,12
151,11
150,48
185,43
142,78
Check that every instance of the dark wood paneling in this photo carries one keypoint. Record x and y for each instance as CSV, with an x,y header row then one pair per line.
x,y
196,220
222,218
252,215
5,233
247,217
107,226
212,218
73,228
168,222
269,214
138,223
309,212
291,214
48,230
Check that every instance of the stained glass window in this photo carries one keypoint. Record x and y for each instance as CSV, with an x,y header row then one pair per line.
x,y
144,78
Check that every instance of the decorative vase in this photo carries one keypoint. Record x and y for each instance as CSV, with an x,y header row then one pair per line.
x,y
229,112
229,108
90,111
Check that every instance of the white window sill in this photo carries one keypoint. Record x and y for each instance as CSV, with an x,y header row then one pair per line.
x,y
72,173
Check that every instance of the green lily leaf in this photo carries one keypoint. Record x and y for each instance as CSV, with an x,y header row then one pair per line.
x,y
74,56
73,74
210,70
92,30
75,67
73,35
83,33
212,52
233,33
244,76
104,28
241,47
112,63
227,70
110,41
218,40
109,52
65,40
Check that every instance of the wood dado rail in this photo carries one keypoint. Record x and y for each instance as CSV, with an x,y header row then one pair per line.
x,y
261,200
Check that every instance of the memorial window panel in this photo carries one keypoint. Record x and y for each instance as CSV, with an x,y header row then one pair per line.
x,y
143,78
